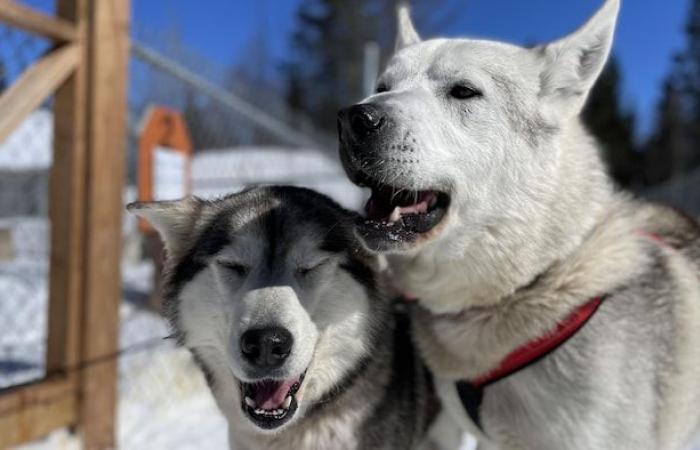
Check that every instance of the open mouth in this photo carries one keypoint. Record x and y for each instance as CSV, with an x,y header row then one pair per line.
x,y
401,215
271,403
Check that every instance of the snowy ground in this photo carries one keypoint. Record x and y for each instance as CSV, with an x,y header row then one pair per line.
x,y
164,402
23,302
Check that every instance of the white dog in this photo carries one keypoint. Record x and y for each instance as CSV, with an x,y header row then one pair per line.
x,y
554,311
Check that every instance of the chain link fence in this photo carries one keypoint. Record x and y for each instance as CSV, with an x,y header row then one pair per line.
x,y
242,133
25,161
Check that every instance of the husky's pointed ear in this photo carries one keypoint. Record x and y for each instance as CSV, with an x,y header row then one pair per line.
x,y
406,33
572,65
173,220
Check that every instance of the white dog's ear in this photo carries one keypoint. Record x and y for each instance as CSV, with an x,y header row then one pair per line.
x,y
406,33
572,65
172,219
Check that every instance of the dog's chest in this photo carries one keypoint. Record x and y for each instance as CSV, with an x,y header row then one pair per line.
x,y
511,419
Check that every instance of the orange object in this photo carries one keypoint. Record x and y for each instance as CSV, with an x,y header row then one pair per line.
x,y
161,127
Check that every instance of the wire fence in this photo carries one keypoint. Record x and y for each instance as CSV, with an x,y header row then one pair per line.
x,y
224,107
25,160
242,134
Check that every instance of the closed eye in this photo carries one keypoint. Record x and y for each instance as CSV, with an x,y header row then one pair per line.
x,y
235,267
307,270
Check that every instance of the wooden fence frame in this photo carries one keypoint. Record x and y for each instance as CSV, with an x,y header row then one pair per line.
x,y
86,73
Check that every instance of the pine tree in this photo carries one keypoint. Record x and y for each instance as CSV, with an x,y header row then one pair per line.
x,y
674,145
327,63
613,126
663,158
326,70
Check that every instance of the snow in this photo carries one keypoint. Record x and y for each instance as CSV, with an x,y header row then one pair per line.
x,y
164,402
29,146
23,302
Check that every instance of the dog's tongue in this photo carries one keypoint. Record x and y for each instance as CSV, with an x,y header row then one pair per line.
x,y
270,394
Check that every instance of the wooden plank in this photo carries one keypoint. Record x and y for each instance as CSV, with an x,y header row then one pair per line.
x,y
20,16
35,85
67,213
108,52
31,411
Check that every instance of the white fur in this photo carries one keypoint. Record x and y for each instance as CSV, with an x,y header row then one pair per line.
x,y
529,197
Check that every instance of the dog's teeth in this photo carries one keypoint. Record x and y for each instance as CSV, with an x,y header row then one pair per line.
x,y
259,411
287,402
250,402
395,215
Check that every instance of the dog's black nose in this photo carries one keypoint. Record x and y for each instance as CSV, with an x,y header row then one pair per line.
x,y
362,119
266,348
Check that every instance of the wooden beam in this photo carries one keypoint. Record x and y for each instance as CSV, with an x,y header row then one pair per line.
x,y
31,411
67,212
16,15
36,84
108,54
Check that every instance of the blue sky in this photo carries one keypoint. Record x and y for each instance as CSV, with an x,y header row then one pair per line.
x,y
649,31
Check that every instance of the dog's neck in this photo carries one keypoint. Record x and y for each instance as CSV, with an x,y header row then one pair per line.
x,y
480,268
471,344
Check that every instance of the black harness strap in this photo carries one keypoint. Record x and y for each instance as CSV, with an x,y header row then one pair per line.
x,y
471,397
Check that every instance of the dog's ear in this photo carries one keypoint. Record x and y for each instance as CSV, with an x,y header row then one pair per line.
x,y
572,65
173,220
406,33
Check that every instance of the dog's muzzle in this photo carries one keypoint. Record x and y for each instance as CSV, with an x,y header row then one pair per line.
x,y
374,154
270,401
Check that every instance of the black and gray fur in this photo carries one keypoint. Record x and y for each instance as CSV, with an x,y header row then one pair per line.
x,y
364,387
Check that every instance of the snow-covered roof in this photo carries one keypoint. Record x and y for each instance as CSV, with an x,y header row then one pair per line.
x,y
220,172
29,147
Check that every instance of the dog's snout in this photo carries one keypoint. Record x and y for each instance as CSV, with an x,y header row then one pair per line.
x,y
266,348
361,120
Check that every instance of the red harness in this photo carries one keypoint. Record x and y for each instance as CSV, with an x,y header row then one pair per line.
x,y
471,392
538,348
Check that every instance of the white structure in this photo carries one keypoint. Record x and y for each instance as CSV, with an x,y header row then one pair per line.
x,y
220,172
25,160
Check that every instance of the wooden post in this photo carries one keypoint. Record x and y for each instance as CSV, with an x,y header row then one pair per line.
x,y
87,179
107,58
67,211
86,203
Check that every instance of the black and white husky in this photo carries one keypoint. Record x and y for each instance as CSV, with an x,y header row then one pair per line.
x,y
282,310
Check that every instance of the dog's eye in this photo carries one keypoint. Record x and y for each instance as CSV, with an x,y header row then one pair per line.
x,y
381,87
463,92
237,268
306,270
